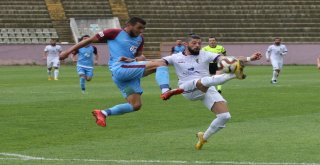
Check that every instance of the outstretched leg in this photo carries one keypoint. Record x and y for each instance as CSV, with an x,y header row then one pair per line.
x,y
134,104
216,103
162,78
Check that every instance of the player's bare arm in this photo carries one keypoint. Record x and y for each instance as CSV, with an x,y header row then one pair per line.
x,y
74,57
45,54
268,56
96,58
139,57
255,56
83,43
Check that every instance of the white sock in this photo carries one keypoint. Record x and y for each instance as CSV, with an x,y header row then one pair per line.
x,y
163,90
217,124
56,73
104,112
49,72
217,79
274,75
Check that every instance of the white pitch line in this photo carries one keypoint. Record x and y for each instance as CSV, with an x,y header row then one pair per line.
x,y
13,156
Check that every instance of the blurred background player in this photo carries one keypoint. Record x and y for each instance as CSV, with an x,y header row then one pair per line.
x,y
275,54
51,53
85,57
213,47
194,78
179,47
127,65
318,62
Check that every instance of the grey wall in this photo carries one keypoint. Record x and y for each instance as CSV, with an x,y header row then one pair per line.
x,y
297,53
32,54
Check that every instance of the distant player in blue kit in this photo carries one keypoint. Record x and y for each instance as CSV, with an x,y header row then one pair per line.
x,y
127,65
86,57
179,47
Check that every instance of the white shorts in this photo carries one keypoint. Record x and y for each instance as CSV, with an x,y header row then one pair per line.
x,y
208,98
277,63
53,62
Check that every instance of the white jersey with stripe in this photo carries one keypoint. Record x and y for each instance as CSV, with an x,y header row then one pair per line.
x,y
53,51
276,52
191,67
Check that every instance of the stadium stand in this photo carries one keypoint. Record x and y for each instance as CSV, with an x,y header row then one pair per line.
x,y
91,27
25,21
59,20
87,8
254,21
119,9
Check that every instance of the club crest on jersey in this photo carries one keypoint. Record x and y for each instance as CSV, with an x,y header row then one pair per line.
x,y
101,34
197,61
133,49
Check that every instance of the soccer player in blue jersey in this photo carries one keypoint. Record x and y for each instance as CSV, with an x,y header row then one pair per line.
x,y
127,65
179,47
85,57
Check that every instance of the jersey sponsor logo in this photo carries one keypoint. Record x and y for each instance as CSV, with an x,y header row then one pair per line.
x,y
191,71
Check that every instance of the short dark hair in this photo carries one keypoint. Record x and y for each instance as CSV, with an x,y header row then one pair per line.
x,y
135,20
81,38
190,37
277,38
212,37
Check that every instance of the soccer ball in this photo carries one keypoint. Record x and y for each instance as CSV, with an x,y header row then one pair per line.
x,y
228,64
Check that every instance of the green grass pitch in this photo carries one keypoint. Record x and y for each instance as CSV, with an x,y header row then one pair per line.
x,y
50,122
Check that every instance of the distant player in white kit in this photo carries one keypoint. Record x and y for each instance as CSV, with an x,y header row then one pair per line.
x,y
192,69
275,54
51,53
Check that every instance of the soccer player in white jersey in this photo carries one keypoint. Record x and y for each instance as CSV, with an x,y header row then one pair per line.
x,y
192,69
51,53
275,54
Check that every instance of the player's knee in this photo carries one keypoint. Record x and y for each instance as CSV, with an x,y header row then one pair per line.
x,y
89,78
136,106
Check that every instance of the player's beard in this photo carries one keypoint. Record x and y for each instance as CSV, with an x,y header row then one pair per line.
x,y
53,44
194,51
277,43
132,34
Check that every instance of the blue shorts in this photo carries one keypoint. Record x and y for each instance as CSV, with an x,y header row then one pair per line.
x,y
127,76
85,71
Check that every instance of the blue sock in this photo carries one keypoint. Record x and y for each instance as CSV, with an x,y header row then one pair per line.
x,y
119,109
162,77
83,83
